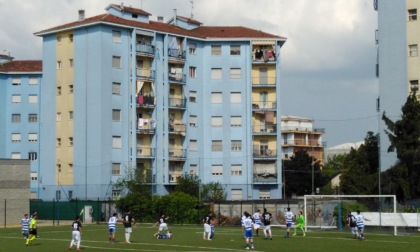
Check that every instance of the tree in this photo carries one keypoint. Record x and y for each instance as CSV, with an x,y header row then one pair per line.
x,y
404,136
189,184
213,191
298,173
332,168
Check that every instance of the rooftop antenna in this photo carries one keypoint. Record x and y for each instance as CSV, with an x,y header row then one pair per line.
x,y
192,8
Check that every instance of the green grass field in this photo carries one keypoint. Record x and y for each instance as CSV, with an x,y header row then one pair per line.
x,y
189,238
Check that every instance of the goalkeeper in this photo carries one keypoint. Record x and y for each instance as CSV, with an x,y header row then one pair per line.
x,y
300,223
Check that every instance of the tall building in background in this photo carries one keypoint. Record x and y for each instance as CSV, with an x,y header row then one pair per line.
x,y
122,92
299,134
20,83
398,69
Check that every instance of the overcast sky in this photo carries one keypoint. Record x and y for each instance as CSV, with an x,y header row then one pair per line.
x,y
328,60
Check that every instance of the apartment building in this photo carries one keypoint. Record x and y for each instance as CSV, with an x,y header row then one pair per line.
x,y
299,134
398,65
122,92
20,83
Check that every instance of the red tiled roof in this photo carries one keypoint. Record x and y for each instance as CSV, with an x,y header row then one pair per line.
x,y
22,66
200,32
190,20
132,10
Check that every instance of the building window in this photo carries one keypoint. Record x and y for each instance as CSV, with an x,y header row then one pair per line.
x,y
193,73
71,63
32,156
33,81
58,142
116,115
116,62
235,97
216,97
32,118
33,137
116,36
58,117
71,89
193,96
116,142
216,50
235,121
58,193
217,170
236,145
193,121
16,137
71,37
59,90
193,145
235,73
235,50
116,194
216,121
16,81
70,168
216,73
15,118
58,39
236,170
59,167
70,115
70,194
34,176
413,50
15,155
264,193
412,15
192,48
193,169
414,85
33,99
16,99
236,194
59,64
116,88
70,141
216,145
116,169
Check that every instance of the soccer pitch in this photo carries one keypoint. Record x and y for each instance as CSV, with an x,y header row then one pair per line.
x,y
190,238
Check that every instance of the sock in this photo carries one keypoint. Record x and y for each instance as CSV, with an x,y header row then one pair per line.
x,y
126,237
208,235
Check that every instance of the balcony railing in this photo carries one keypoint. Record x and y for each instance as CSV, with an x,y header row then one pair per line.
x,y
265,178
264,105
264,129
177,102
176,54
303,142
177,128
177,153
264,56
263,152
144,73
146,152
145,101
145,49
264,81
177,78
146,126
315,131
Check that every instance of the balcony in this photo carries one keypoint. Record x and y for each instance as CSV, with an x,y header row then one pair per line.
x,y
264,105
264,56
264,82
177,78
145,101
176,154
146,126
177,128
177,103
302,143
263,152
145,74
315,131
145,49
145,152
265,172
176,55
264,129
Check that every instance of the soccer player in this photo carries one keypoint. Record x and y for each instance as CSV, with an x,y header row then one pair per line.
x,y
257,221
168,235
248,225
289,221
360,222
267,217
163,226
25,226
32,230
242,221
300,223
207,226
351,222
127,221
76,233
112,227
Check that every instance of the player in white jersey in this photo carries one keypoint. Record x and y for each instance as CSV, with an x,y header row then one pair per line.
x,y
242,221
112,227
289,221
25,226
360,222
248,226
257,221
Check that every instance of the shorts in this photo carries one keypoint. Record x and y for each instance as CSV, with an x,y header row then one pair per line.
x,y
360,228
128,230
248,233
207,228
33,231
268,227
300,225
163,226
288,225
111,230
76,235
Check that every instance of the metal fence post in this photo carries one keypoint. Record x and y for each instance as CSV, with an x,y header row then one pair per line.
x,y
5,214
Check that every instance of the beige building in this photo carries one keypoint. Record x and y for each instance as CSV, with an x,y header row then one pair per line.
x,y
298,133
413,41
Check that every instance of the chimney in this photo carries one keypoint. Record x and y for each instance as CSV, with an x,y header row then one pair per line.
x,y
81,15
175,17
160,19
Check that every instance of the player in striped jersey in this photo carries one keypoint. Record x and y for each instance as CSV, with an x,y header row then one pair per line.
x,y
360,222
289,221
25,226
248,226
112,227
